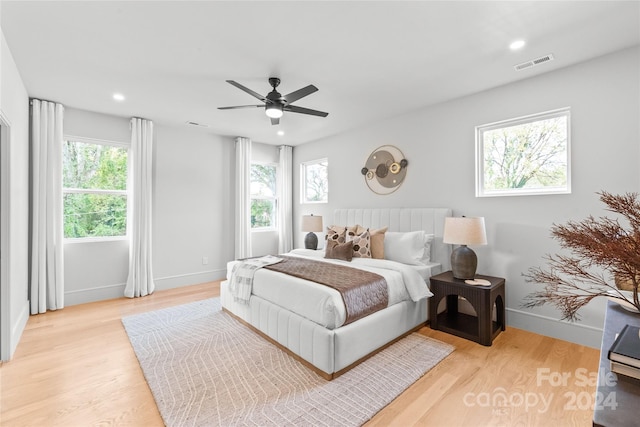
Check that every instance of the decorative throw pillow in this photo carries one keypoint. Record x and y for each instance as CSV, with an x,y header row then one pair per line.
x,y
336,233
335,250
377,241
352,231
362,245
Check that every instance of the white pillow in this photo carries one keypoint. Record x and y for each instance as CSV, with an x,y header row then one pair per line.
x,y
426,257
407,248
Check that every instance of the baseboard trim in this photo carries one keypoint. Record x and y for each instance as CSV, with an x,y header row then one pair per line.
x,y
544,325
95,288
97,293
105,292
169,282
18,329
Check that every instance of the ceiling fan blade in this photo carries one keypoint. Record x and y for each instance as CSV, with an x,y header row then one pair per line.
x,y
275,121
240,106
296,109
249,91
300,93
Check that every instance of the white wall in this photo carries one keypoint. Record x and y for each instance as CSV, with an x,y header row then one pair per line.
x,y
14,107
192,203
439,144
193,206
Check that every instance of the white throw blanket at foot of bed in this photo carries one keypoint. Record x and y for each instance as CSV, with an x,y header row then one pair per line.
x,y
242,273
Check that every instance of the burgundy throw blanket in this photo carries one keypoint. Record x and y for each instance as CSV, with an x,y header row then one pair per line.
x,y
363,292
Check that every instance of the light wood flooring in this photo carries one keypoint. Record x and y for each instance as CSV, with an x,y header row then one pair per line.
x,y
75,367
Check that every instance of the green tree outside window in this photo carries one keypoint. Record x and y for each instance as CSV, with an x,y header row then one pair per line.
x,y
94,189
524,156
263,195
315,181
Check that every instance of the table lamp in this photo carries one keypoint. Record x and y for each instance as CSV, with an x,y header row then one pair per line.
x,y
464,231
312,224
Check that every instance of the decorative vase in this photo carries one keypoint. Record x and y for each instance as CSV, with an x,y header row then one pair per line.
x,y
627,289
624,284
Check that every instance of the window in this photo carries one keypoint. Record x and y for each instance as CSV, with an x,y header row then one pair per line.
x,y
94,188
263,196
315,181
524,156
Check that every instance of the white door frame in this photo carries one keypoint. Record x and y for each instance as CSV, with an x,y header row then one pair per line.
x,y
5,264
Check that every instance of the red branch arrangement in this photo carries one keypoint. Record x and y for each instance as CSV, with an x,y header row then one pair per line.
x,y
597,245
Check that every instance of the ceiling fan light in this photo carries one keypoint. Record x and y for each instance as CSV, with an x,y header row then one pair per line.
x,y
273,111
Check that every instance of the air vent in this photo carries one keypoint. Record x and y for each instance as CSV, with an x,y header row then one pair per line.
x,y
534,62
196,124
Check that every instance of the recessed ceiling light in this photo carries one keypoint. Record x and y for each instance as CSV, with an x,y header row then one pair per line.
x,y
280,132
518,44
118,97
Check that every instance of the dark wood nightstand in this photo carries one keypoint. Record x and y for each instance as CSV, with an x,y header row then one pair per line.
x,y
481,329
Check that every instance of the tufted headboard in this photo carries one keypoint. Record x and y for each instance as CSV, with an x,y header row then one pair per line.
x,y
403,219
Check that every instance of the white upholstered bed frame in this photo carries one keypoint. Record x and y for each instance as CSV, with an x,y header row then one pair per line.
x,y
331,352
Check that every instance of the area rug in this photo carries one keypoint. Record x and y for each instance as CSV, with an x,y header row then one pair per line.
x,y
205,368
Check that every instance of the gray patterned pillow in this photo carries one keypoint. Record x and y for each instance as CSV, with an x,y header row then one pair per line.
x,y
336,234
353,232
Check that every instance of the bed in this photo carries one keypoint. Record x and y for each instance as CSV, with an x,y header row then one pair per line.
x,y
303,324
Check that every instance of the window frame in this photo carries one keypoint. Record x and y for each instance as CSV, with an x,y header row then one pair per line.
x,y
480,159
303,180
126,193
274,199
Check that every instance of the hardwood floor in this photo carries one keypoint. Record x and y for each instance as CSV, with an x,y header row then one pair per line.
x,y
75,367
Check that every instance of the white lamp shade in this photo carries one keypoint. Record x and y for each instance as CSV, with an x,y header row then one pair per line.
x,y
464,231
311,223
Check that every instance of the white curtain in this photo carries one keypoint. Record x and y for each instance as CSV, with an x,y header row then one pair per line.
x,y
243,198
47,278
285,193
140,280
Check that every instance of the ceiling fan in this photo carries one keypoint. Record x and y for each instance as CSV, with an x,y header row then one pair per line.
x,y
275,104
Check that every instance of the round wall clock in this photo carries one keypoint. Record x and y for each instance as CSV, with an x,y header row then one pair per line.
x,y
385,169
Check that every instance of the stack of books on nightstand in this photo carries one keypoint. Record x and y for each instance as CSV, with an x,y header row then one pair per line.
x,y
624,354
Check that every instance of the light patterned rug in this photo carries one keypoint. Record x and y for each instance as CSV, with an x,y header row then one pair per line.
x,y
205,368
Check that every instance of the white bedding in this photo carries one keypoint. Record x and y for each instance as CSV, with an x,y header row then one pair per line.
x,y
322,304
428,270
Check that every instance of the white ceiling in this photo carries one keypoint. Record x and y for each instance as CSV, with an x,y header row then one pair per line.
x,y
370,60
